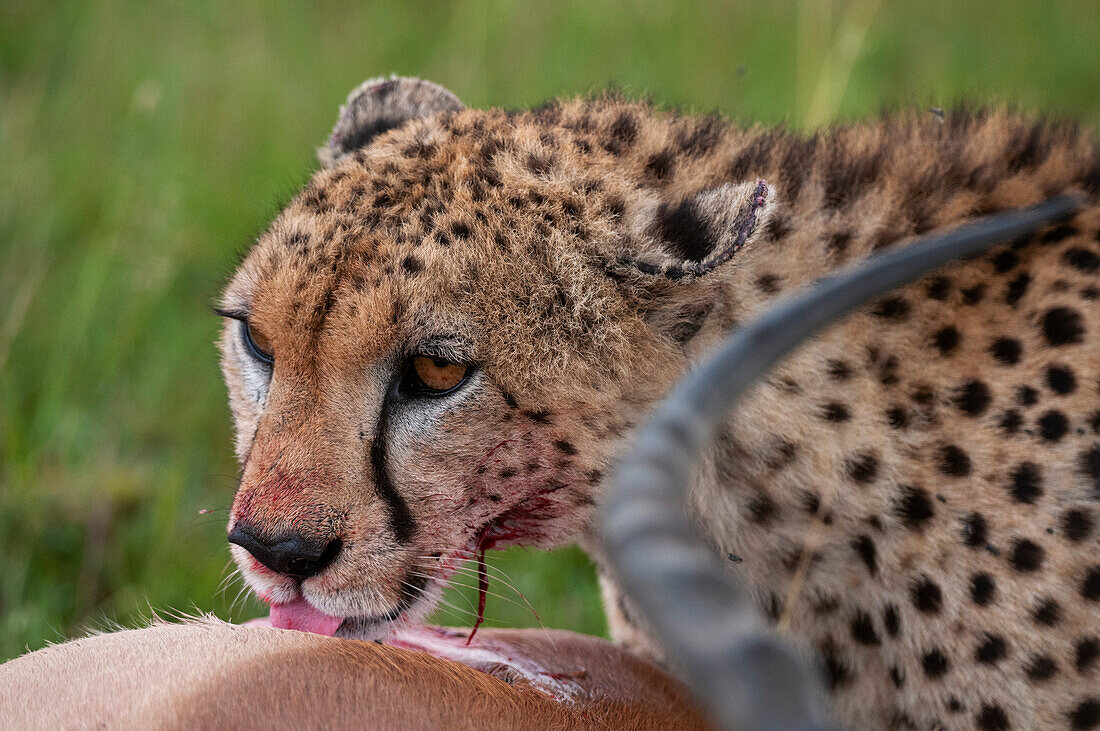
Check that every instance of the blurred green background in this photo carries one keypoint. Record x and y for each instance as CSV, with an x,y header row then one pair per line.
x,y
144,143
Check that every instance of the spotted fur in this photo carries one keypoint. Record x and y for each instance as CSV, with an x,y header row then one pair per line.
x,y
914,496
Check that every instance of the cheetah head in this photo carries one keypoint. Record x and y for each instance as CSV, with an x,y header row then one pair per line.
x,y
442,342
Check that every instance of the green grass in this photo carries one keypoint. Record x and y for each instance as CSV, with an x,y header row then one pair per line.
x,y
143,144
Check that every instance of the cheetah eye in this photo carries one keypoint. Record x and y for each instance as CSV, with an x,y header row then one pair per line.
x,y
431,376
257,343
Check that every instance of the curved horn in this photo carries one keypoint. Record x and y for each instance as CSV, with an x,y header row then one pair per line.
x,y
703,616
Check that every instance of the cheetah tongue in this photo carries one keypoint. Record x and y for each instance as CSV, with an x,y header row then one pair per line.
x,y
300,615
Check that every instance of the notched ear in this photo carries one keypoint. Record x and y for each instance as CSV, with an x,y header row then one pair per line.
x,y
697,235
380,105
705,230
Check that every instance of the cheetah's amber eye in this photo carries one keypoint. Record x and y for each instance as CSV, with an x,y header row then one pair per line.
x,y
258,343
436,375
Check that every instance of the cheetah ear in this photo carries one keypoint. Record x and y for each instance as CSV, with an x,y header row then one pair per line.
x,y
703,231
379,105
694,237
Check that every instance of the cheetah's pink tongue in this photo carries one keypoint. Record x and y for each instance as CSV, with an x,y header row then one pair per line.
x,y
300,615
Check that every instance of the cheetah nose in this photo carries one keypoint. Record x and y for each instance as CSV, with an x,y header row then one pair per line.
x,y
291,554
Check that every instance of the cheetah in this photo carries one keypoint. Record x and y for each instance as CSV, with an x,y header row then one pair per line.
x,y
442,344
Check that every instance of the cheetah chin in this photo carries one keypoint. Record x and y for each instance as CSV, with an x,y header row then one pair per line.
x,y
490,656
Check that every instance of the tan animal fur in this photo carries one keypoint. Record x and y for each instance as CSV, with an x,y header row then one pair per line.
x,y
913,496
212,675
